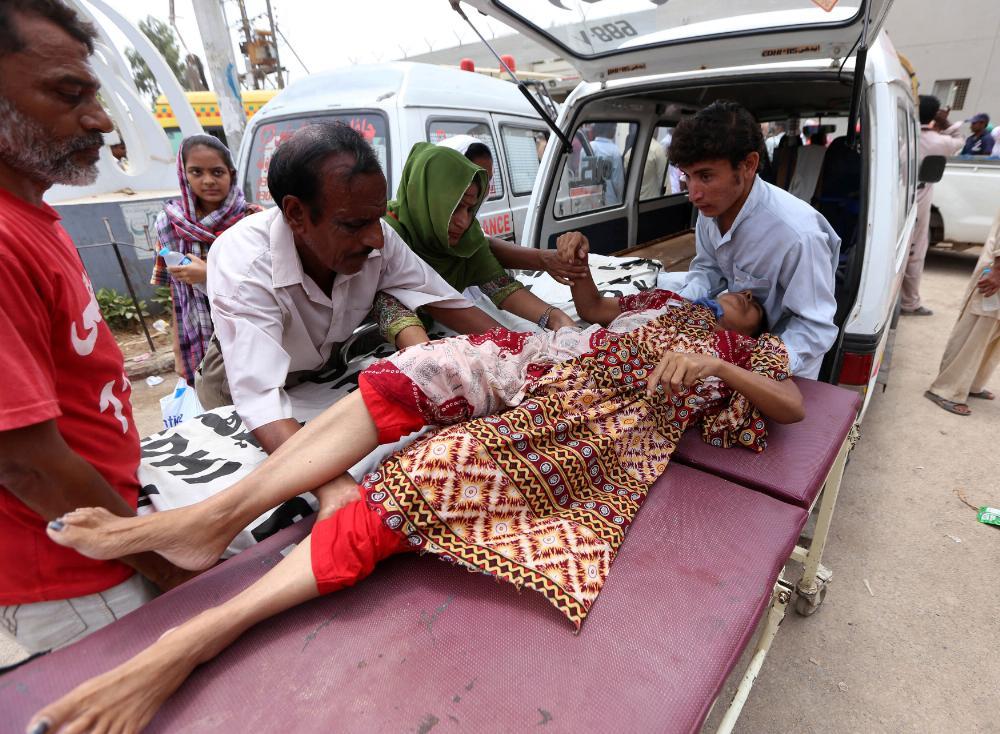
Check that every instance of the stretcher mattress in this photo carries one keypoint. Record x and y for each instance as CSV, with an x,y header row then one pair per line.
x,y
425,646
798,457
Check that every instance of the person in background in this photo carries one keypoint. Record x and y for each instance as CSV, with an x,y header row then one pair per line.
x,y
932,142
67,437
209,205
604,146
980,142
973,350
513,256
654,172
434,212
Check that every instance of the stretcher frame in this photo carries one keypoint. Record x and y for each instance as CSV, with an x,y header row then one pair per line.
x,y
810,591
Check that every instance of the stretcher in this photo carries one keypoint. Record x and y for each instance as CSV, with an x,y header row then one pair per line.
x,y
803,465
424,646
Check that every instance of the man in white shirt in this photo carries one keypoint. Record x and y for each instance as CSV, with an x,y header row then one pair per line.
x,y
947,143
753,236
289,284
605,147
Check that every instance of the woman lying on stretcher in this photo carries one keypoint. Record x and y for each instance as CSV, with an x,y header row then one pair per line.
x,y
544,449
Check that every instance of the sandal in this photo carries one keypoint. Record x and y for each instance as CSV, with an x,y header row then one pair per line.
x,y
956,408
983,395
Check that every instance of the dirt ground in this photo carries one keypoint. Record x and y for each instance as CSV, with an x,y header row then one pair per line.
x,y
918,653
915,654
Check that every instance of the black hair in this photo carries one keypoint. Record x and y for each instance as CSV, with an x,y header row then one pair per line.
x,y
478,150
52,10
723,130
604,129
209,141
929,106
297,164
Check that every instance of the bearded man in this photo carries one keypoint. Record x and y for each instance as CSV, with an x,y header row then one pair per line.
x,y
752,236
67,437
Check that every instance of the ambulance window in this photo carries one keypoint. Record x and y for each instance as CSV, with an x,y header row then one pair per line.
x,y
659,178
903,180
523,147
595,170
269,135
439,129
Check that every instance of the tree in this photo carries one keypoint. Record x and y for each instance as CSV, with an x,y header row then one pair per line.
x,y
162,37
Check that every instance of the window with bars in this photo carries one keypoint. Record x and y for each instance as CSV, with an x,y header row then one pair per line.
x,y
951,92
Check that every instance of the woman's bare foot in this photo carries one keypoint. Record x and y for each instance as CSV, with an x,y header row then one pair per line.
x,y
123,699
186,537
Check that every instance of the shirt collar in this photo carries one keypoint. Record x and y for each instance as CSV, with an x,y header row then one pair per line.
x,y
286,267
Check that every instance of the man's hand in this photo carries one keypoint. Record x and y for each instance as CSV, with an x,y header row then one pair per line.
x,y
561,271
195,272
678,371
573,248
989,284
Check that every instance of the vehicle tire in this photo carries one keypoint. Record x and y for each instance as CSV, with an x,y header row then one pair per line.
x,y
936,226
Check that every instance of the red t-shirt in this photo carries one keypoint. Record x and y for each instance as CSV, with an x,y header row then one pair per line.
x,y
59,361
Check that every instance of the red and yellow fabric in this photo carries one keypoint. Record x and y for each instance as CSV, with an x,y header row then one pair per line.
x,y
537,483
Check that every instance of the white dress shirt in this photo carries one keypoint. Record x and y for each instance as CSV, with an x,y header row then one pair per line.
x,y
786,253
272,319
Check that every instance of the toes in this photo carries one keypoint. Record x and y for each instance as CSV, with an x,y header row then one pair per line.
x,y
59,717
88,517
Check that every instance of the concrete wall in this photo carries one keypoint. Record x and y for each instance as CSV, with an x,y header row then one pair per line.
x,y
127,215
958,39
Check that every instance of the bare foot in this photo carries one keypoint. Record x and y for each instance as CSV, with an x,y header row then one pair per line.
x,y
123,699
186,538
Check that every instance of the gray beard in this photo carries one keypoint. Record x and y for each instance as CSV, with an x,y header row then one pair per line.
x,y
26,147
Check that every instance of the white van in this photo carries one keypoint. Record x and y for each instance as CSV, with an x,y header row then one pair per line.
x,y
647,64
397,105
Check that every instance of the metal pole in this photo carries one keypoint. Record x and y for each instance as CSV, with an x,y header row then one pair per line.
x,y
128,282
222,69
274,35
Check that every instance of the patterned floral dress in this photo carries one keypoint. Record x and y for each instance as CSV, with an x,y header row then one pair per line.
x,y
549,441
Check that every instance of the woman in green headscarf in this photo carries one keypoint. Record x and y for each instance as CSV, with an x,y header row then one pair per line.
x,y
435,214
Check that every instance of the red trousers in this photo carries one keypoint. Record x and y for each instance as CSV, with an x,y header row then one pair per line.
x,y
346,546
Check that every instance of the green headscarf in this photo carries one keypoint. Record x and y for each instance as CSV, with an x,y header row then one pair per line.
x,y
433,183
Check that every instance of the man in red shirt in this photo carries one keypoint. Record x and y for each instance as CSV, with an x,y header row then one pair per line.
x,y
67,438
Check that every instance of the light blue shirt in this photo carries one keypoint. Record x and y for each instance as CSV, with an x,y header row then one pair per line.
x,y
786,253
614,185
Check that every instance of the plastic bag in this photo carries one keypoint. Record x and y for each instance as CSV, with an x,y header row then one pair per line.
x,y
180,405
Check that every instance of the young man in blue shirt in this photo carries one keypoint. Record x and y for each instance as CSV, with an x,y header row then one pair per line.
x,y
751,235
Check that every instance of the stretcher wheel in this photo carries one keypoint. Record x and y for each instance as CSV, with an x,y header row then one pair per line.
x,y
808,604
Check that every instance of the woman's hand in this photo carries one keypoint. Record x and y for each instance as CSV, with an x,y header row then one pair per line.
x,y
989,284
678,371
558,319
573,248
192,274
411,336
562,271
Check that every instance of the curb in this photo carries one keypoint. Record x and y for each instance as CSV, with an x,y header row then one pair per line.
x,y
153,365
